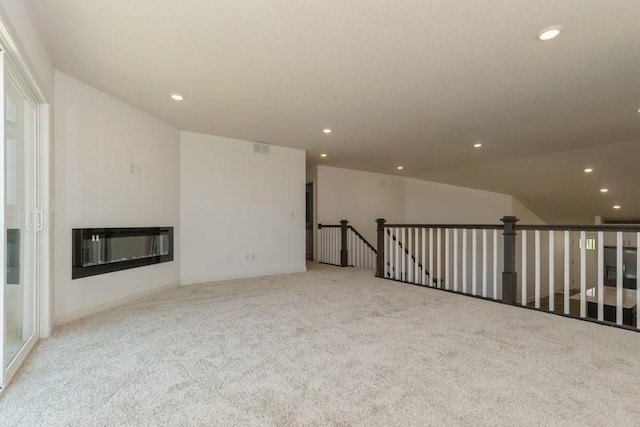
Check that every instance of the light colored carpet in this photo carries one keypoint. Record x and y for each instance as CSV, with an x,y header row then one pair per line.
x,y
328,347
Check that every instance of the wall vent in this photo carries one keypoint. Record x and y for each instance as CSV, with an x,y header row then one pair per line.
x,y
260,148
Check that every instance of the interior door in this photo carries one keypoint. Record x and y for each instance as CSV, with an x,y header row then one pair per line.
x,y
20,221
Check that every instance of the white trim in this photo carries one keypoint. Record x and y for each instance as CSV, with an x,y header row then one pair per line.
x,y
3,257
45,302
20,61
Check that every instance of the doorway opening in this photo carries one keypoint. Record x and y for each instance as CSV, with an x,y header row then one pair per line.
x,y
309,221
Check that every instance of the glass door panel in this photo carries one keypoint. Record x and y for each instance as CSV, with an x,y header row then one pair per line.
x,y
20,221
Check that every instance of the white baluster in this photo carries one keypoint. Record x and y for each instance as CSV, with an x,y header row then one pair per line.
x,y
583,274
431,273
552,277
524,267
455,259
484,263
619,276
409,246
537,268
397,249
404,253
474,262
423,280
600,276
567,271
416,276
464,260
447,267
438,283
385,254
495,264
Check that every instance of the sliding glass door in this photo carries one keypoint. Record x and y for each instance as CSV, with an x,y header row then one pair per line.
x,y
21,221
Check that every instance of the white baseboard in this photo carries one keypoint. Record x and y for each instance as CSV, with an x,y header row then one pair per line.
x,y
203,280
111,304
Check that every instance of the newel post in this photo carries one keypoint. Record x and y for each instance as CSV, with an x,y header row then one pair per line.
x,y
380,254
344,254
509,275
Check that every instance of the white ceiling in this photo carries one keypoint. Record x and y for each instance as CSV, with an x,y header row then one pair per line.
x,y
411,82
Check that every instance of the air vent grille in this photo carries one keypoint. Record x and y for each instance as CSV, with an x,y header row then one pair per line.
x,y
259,148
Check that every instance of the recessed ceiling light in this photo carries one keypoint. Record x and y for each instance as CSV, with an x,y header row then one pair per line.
x,y
326,130
616,206
549,33
588,170
177,97
638,110
323,155
604,190
477,145
400,168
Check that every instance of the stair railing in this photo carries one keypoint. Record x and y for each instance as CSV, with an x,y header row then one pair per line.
x,y
342,245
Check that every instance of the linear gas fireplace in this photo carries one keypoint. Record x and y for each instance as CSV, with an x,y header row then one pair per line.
x,y
103,250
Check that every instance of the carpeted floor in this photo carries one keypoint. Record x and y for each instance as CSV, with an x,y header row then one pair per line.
x,y
328,347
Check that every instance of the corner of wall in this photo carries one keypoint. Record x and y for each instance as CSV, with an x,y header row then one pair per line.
x,y
524,214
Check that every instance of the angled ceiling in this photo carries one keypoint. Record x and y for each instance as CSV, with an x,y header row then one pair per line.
x,y
414,82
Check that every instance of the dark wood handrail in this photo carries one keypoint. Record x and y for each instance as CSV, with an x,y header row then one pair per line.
x,y
566,227
363,239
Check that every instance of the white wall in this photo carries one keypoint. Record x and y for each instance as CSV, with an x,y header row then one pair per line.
x,y
242,213
435,203
524,214
359,197
96,139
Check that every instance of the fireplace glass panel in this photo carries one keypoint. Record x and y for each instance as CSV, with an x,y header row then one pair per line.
x,y
102,250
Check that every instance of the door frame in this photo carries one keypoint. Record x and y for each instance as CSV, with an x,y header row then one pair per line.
x,y
12,57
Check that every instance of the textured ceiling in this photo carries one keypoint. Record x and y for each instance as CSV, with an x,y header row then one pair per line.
x,y
412,82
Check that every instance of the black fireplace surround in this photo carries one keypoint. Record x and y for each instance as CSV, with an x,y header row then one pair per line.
x,y
103,250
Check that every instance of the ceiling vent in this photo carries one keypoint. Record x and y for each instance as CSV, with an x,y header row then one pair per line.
x,y
260,148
